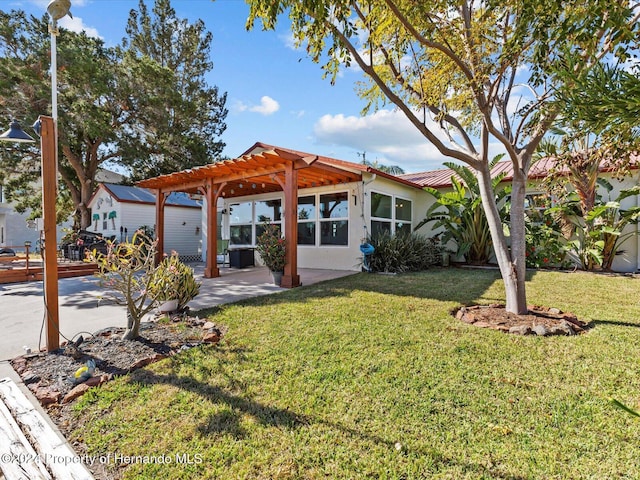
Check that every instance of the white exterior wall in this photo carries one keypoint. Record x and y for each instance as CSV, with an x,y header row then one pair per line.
x,y
338,257
182,224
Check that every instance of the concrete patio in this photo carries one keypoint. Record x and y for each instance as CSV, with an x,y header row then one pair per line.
x,y
22,306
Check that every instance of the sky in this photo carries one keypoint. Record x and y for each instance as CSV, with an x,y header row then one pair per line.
x,y
275,93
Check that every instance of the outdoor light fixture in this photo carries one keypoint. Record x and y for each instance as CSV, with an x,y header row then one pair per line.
x,y
58,9
16,134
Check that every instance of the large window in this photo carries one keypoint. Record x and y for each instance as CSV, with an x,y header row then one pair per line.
x,y
390,214
246,219
241,223
334,219
307,218
323,219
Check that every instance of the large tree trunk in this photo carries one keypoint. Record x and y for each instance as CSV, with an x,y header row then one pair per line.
x,y
511,263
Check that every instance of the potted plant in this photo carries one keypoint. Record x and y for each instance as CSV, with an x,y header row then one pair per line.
x,y
271,247
174,285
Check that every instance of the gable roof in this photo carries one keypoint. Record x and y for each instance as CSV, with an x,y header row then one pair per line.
x,y
132,194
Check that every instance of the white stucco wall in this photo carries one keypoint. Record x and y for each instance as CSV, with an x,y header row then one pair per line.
x,y
338,257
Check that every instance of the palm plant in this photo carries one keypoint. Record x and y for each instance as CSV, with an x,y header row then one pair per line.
x,y
459,213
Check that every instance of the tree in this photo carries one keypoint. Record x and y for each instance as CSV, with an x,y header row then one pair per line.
x,y
183,116
458,62
115,106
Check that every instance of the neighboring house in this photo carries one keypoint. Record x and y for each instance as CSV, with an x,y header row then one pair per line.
x,y
15,229
629,258
119,210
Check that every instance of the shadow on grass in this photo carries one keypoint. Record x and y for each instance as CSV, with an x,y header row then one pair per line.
x,y
229,422
615,323
461,285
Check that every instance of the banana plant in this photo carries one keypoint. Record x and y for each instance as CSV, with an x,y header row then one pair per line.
x,y
459,213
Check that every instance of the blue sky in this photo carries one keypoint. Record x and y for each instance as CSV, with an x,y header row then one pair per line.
x,y
275,94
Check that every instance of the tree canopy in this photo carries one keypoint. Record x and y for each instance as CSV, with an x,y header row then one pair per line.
x,y
122,105
466,73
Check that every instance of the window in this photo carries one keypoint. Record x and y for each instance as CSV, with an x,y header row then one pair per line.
x,y
390,214
104,221
307,217
240,223
269,211
246,219
334,219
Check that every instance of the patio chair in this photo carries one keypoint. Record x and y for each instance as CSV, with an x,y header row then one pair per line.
x,y
223,252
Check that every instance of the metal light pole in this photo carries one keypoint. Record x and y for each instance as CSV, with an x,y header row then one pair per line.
x,y
46,127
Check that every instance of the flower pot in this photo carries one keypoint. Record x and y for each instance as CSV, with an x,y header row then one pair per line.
x,y
277,277
168,306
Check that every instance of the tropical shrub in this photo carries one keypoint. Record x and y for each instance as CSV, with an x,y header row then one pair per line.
x,y
459,213
175,281
598,233
404,252
545,245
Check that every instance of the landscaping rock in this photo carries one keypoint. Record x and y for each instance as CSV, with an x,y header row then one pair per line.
x,y
46,395
520,330
540,330
76,392
539,320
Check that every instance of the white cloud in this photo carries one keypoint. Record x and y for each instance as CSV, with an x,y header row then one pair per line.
x,y
268,106
75,24
386,136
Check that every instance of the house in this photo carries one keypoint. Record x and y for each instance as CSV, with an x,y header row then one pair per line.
x,y
119,210
335,205
628,259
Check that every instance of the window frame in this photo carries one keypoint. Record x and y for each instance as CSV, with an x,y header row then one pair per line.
x,y
394,224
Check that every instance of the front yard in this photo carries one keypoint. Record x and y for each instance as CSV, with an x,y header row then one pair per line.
x,y
370,377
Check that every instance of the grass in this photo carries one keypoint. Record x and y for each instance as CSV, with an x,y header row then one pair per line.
x,y
370,377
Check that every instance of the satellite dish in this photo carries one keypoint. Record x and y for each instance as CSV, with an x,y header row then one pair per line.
x,y
58,9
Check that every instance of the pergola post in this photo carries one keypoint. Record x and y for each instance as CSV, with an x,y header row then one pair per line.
x,y
211,269
291,278
161,199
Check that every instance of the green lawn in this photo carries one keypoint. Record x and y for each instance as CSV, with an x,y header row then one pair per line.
x,y
370,377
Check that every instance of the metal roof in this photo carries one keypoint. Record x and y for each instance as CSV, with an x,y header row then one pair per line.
x,y
132,194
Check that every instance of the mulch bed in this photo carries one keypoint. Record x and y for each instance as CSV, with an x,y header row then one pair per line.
x,y
50,376
541,321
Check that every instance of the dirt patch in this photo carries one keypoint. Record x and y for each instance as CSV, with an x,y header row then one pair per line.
x,y
541,321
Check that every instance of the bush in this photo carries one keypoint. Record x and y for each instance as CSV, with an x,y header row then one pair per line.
x,y
175,280
404,252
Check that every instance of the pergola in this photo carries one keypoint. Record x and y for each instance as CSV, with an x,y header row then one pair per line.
x,y
262,169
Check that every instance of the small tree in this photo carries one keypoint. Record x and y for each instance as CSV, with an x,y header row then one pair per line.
x,y
129,270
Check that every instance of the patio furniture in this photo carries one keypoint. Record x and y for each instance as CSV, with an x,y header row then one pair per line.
x,y
241,257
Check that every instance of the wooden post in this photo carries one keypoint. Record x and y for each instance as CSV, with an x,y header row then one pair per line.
x,y
48,145
291,278
211,270
161,198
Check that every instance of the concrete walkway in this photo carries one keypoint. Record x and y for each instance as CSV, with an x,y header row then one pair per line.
x,y
22,305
